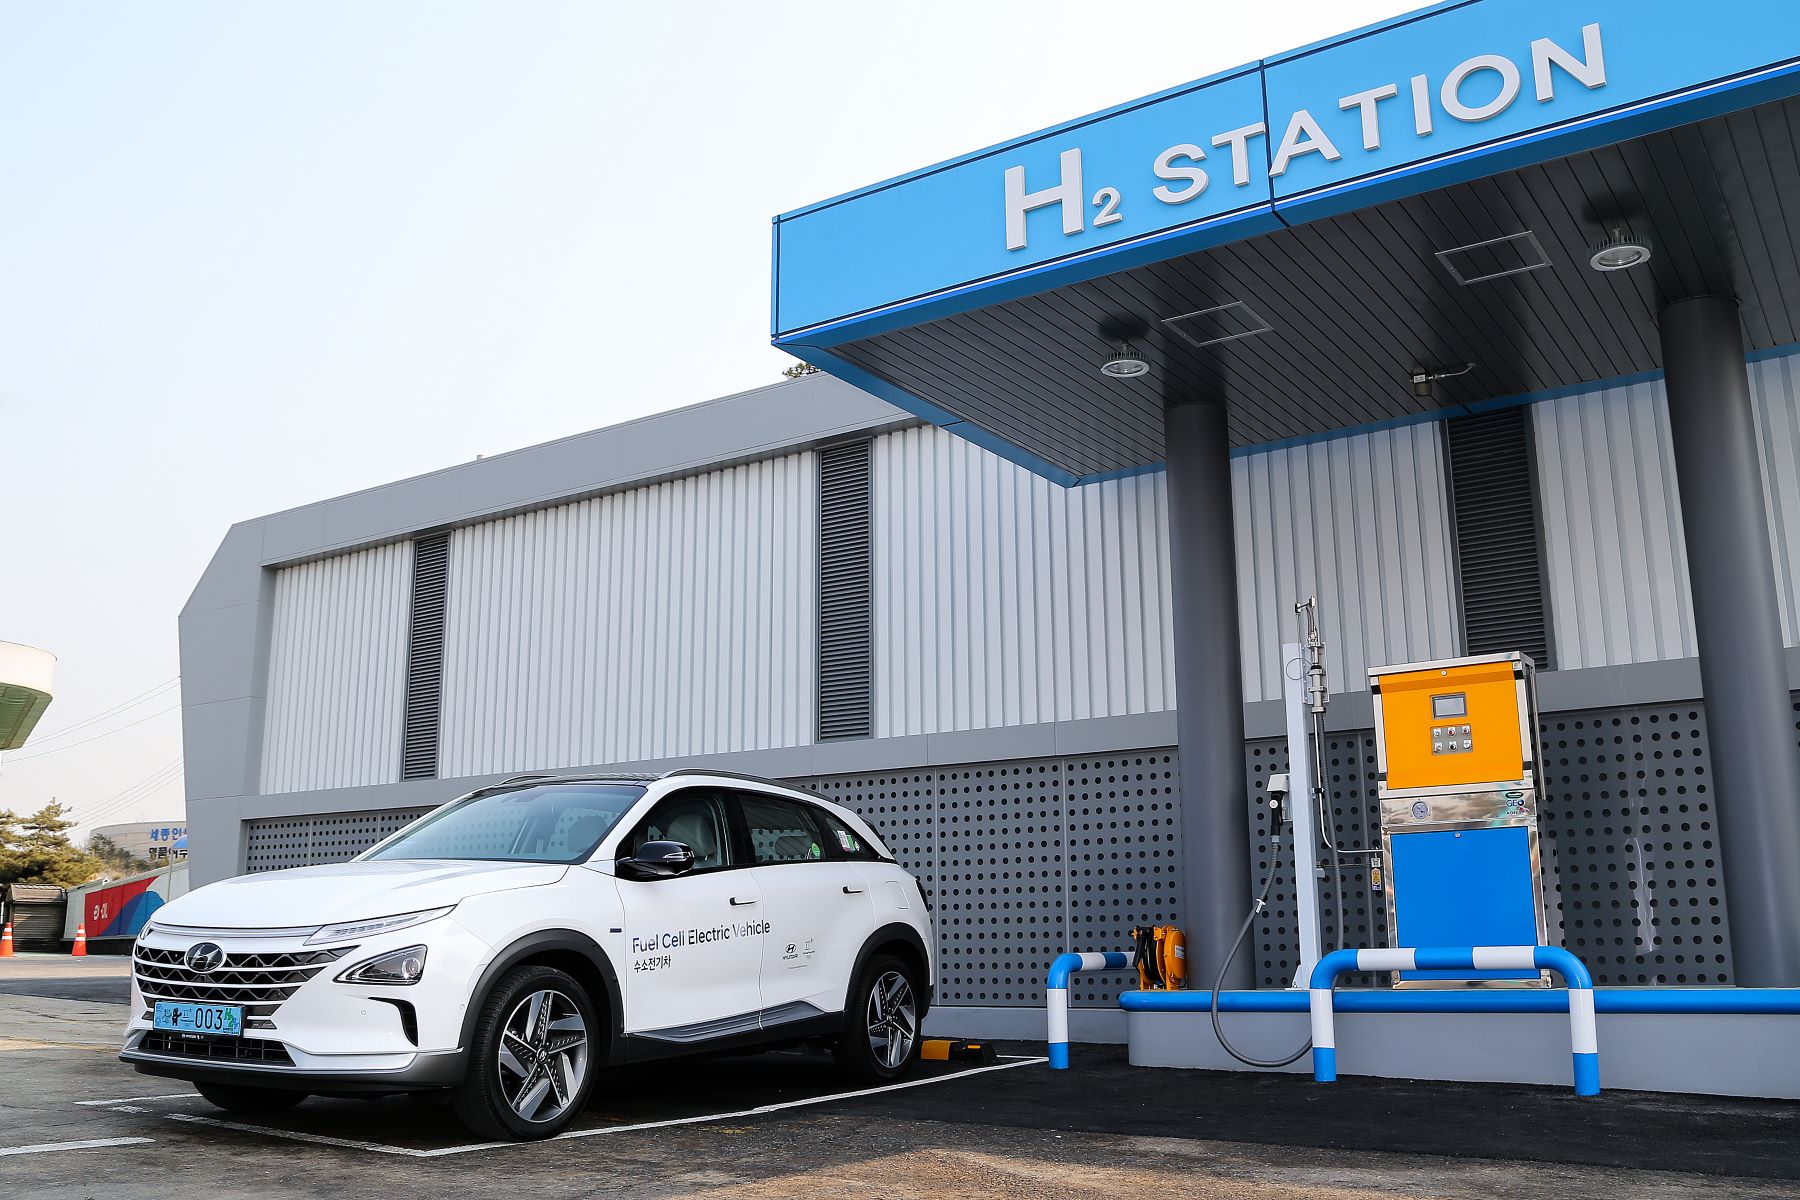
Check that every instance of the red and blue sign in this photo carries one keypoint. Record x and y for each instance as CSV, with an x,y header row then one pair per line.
x,y
121,910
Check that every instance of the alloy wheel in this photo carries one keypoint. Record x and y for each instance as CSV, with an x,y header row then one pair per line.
x,y
893,1020
543,1055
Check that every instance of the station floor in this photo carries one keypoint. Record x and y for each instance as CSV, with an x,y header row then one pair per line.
x,y
75,1122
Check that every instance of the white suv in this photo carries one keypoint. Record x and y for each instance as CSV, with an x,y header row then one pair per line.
x,y
503,947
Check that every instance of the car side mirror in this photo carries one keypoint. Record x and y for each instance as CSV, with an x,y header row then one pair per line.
x,y
657,860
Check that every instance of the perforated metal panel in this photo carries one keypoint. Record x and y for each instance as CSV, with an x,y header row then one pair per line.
x,y
1001,914
1629,811
1123,845
330,837
1024,860
1350,779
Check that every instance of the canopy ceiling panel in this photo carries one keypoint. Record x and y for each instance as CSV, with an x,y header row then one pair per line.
x,y
1354,304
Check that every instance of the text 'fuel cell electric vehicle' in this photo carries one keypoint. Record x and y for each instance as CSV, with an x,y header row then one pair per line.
x,y
505,947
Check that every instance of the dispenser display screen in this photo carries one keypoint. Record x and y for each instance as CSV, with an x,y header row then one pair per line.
x,y
1452,704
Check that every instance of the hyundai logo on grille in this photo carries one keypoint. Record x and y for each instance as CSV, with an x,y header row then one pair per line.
x,y
203,957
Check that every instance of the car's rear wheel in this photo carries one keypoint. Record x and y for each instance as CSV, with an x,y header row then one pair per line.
x,y
531,1061
248,1101
881,1039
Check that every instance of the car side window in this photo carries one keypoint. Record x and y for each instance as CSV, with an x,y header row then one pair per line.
x,y
842,843
781,831
697,819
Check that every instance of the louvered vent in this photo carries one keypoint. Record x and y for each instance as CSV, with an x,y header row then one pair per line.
x,y
846,620
425,657
1493,486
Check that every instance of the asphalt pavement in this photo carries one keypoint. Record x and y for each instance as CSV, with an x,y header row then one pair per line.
x,y
76,1122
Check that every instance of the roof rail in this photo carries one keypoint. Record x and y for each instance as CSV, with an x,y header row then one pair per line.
x,y
577,777
747,778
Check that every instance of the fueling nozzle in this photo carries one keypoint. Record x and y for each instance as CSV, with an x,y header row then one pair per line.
x,y
1278,807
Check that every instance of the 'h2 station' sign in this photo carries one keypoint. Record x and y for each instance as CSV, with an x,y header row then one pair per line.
x,y
1454,93
1477,89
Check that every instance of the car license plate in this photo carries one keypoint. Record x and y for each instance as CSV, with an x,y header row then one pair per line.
x,y
220,1020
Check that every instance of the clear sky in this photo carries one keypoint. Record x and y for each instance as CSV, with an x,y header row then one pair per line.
x,y
258,254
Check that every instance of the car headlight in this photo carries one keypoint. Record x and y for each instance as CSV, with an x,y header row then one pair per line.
x,y
348,930
396,967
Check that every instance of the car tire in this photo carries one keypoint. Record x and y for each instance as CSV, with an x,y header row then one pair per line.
x,y
880,1042
527,1079
248,1101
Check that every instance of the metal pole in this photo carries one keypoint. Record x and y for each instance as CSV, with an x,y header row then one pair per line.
x,y
1755,765
1209,691
1301,810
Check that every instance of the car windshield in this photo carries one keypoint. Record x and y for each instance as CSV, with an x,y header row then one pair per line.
x,y
548,823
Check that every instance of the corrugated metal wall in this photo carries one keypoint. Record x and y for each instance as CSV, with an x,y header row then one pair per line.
x,y
1775,387
1003,599
337,671
668,620
1612,528
1361,522
679,619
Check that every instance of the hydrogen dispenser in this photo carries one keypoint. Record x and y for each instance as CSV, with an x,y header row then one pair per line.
x,y
1459,762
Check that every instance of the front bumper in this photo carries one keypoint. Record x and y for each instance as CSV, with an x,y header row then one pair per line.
x,y
303,1029
418,1072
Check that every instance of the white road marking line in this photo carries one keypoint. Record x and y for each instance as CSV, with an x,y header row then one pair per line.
x,y
136,1099
89,1144
758,1111
443,1151
296,1136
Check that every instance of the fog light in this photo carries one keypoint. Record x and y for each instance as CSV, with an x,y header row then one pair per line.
x,y
395,968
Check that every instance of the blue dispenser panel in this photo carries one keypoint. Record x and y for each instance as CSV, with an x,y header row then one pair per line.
x,y
1466,887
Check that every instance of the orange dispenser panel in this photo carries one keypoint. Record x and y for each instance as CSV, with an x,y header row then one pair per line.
x,y
1450,727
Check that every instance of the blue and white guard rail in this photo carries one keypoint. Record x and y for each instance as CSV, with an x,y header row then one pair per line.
x,y
1583,1038
1056,995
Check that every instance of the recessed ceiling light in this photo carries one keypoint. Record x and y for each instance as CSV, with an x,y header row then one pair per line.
x,y
1125,364
1620,250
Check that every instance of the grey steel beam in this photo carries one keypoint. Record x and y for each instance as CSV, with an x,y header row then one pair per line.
x,y
1755,767
1209,688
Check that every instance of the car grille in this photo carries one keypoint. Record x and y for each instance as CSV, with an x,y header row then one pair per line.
x,y
259,982
243,1050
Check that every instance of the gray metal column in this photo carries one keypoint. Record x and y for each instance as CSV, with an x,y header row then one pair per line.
x,y
1749,719
1209,693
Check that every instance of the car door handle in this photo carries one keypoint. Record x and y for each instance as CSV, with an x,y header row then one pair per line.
x,y
853,891
737,903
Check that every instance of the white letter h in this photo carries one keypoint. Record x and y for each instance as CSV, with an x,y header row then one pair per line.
x,y
1067,193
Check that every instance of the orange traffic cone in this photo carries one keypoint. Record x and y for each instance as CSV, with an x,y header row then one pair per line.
x,y
6,950
80,950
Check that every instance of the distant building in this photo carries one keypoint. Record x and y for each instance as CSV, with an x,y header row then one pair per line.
x,y
155,841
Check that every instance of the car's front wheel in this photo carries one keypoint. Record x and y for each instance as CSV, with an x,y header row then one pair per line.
x,y
880,1041
248,1101
531,1061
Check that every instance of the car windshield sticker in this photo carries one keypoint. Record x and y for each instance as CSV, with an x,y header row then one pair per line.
x,y
847,842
